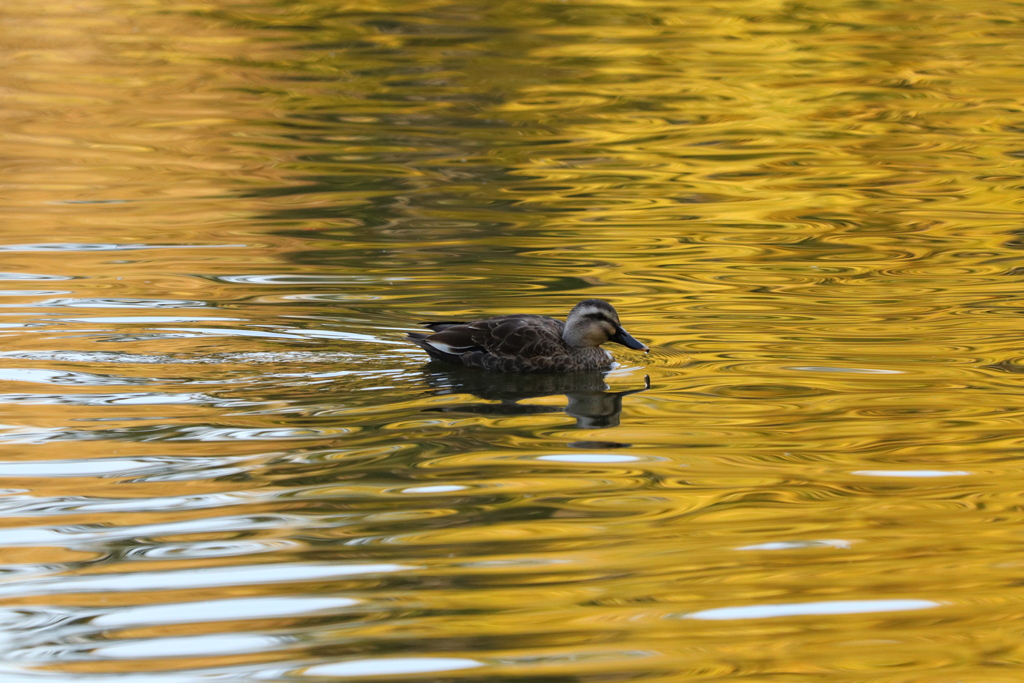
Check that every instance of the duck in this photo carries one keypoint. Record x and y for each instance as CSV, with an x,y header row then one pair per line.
x,y
530,343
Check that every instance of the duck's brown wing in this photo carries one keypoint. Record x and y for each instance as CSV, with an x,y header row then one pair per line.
x,y
526,336
508,336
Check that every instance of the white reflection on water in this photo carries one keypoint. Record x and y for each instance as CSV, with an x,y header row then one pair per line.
x,y
810,608
219,610
195,578
148,319
795,545
856,371
589,457
190,646
434,489
42,376
393,666
163,467
33,276
912,473
73,246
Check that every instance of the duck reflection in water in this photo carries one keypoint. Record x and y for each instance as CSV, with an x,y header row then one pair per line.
x,y
590,402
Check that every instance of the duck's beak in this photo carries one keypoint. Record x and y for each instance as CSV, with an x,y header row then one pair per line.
x,y
627,340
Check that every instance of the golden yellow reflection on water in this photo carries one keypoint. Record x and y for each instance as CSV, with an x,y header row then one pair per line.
x,y
220,458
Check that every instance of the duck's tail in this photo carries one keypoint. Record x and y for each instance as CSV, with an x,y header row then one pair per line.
x,y
440,351
440,326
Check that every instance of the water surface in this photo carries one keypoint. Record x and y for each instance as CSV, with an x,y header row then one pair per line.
x,y
221,460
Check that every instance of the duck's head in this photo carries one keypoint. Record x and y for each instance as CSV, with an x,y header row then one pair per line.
x,y
593,322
